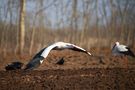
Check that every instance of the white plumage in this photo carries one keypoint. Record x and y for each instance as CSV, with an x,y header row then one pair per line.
x,y
40,56
119,50
62,45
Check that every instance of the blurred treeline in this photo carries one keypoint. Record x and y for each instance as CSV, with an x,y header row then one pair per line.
x,y
87,23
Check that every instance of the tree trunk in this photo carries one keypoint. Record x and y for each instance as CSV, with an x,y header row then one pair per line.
x,y
22,26
74,15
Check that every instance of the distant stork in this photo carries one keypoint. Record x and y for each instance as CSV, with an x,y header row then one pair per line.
x,y
120,50
41,55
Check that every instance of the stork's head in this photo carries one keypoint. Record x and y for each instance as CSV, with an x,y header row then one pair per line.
x,y
117,43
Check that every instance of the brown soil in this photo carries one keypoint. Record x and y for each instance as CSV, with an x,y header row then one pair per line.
x,y
81,79
79,72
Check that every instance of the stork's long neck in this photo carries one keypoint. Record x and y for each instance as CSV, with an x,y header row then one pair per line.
x,y
113,46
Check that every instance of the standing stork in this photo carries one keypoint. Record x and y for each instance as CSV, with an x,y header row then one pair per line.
x,y
41,55
119,50
122,50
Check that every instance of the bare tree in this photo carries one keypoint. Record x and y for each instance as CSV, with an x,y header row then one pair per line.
x,y
77,21
22,26
74,14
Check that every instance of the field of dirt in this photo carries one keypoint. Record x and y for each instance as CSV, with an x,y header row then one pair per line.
x,y
101,71
81,79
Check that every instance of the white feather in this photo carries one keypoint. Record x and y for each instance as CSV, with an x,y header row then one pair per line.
x,y
60,45
44,53
122,48
119,48
47,50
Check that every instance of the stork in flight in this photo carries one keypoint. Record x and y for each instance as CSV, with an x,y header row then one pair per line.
x,y
41,55
119,50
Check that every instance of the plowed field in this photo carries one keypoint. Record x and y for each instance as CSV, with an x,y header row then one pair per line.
x,y
79,72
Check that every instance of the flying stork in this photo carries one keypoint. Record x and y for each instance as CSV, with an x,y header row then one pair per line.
x,y
42,54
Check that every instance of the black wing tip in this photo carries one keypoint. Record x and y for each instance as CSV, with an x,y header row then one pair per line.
x,y
14,66
130,52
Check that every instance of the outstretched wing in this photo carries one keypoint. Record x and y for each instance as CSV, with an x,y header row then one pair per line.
x,y
39,53
63,45
35,62
39,57
47,50
77,48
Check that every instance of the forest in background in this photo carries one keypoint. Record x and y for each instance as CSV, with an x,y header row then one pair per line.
x,y
86,23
